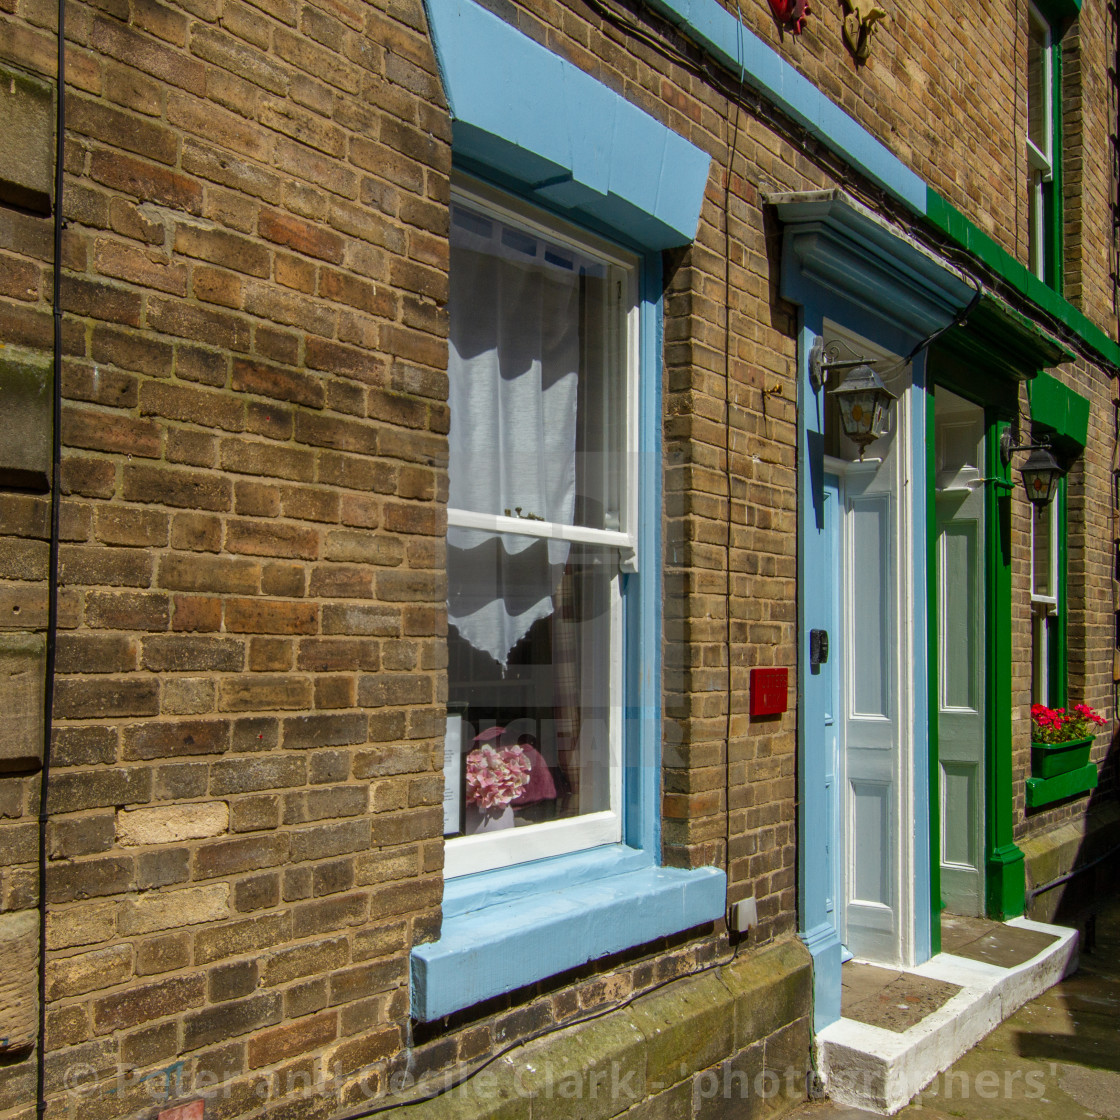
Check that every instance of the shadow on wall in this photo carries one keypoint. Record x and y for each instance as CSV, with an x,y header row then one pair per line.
x,y
1078,1018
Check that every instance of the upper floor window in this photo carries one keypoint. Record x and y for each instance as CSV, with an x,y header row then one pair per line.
x,y
541,525
1043,219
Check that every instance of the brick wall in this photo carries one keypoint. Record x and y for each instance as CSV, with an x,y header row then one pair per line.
x,y
245,825
248,714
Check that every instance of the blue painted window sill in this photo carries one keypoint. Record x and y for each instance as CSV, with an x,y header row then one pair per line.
x,y
505,929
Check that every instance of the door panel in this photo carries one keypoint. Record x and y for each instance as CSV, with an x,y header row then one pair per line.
x,y
959,437
870,726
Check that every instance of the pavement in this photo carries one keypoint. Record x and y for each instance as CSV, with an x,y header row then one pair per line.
x,y
1058,1056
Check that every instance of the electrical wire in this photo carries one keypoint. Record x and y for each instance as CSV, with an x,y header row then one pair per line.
x,y
621,1005
52,563
733,144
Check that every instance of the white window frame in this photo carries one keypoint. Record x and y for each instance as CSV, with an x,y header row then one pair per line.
x,y
1041,162
1044,608
468,855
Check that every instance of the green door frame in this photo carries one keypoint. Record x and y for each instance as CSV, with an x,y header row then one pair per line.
x,y
1005,872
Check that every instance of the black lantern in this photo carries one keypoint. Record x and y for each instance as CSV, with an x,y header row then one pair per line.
x,y
864,406
1040,474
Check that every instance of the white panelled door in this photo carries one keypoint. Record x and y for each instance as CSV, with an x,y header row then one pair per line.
x,y
872,730
959,434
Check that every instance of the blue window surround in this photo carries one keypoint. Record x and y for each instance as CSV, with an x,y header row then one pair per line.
x,y
540,126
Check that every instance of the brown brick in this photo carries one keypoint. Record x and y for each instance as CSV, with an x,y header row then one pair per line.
x,y
256,892
136,527
269,655
278,383
249,935
282,579
144,1002
296,1038
160,486
197,613
144,266
329,914
177,653
220,247
270,616
346,361
81,836
249,814
195,406
271,539
214,574
89,878
130,351
163,954
106,697
328,840
95,564
245,775
216,1024
301,236
196,532
196,449
170,739
150,1045
227,857
146,182
107,431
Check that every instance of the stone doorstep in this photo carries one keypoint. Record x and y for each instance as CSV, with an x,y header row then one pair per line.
x,y
881,1070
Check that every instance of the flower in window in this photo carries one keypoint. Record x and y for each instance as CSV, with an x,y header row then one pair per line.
x,y
496,776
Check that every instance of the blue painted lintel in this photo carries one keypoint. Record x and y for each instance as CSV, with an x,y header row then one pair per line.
x,y
484,952
566,139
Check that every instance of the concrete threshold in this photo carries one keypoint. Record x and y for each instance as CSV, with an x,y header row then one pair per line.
x,y
881,1070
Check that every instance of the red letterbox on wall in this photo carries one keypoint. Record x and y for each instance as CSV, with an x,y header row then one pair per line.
x,y
769,691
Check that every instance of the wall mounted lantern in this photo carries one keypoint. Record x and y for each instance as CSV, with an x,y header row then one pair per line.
x,y
863,398
1040,472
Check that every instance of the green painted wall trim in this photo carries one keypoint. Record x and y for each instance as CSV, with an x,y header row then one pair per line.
x,y
1045,791
1005,875
950,221
932,662
1060,408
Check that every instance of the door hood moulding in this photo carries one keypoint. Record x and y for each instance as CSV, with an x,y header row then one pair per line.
x,y
835,244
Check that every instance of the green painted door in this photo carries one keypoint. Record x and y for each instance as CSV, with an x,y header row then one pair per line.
x,y
961,692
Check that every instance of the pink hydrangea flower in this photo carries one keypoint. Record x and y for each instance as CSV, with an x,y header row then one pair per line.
x,y
496,776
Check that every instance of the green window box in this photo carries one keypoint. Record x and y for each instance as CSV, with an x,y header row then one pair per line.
x,y
1045,791
1048,760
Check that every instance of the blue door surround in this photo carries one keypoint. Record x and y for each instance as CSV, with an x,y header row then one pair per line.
x,y
839,263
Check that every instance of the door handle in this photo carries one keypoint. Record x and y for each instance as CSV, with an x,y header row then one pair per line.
x,y
818,648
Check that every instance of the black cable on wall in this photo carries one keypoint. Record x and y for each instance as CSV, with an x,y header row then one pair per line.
x,y
52,567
